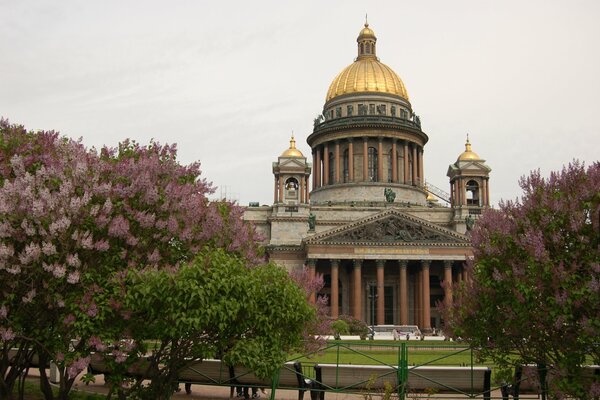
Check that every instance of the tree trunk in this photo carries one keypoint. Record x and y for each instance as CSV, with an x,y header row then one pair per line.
x,y
543,374
45,387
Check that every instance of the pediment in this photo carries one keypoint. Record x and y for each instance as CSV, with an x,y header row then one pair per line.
x,y
390,227
292,163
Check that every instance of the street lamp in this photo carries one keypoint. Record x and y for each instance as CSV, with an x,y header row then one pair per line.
x,y
372,298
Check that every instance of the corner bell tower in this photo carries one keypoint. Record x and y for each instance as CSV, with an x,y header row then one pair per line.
x,y
469,187
291,173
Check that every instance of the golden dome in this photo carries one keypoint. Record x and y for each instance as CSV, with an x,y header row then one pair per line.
x,y
468,154
292,151
367,73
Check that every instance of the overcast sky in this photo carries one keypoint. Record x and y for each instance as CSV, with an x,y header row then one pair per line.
x,y
229,81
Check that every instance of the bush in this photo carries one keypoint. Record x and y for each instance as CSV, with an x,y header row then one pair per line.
x,y
355,326
340,327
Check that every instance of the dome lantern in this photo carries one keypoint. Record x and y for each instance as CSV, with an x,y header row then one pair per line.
x,y
367,74
366,43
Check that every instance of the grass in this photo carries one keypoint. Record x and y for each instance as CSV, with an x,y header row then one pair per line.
x,y
32,392
372,353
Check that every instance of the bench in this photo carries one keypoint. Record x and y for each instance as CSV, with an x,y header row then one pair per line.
x,y
289,376
218,373
439,379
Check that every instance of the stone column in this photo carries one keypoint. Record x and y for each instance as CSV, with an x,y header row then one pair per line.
x,y
326,165
314,163
394,162
337,161
281,186
357,297
421,168
350,160
406,167
448,283
335,289
414,165
307,196
365,159
302,189
418,297
426,300
317,168
380,293
380,160
403,295
275,190
312,267
487,192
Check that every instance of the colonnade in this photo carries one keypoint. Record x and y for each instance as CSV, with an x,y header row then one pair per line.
x,y
406,161
404,273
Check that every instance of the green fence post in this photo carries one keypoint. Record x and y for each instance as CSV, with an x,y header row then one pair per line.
x,y
402,371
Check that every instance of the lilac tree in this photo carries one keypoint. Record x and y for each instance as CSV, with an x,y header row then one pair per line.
x,y
73,223
534,290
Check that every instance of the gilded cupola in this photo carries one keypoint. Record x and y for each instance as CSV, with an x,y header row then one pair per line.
x,y
367,74
468,154
292,151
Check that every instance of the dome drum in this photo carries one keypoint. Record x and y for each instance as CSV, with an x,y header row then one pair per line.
x,y
369,192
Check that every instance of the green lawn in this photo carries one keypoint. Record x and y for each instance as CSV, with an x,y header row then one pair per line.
x,y
32,392
365,352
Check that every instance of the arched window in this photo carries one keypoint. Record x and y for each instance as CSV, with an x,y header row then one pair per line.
x,y
331,167
346,166
291,184
372,164
472,193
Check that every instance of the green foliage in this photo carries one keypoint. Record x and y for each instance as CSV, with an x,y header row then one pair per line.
x,y
355,326
216,307
340,327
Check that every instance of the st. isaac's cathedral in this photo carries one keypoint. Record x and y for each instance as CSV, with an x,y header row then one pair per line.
x,y
361,214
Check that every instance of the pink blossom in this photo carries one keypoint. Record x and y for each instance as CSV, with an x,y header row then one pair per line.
x,y
96,343
154,257
102,245
48,249
59,270
92,310
3,312
73,277
6,250
59,226
120,356
69,319
78,365
6,334
28,298
119,227
13,269
73,260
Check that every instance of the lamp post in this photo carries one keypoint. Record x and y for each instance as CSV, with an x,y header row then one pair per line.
x,y
372,299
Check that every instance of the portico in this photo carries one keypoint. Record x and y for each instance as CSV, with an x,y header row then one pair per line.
x,y
389,268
